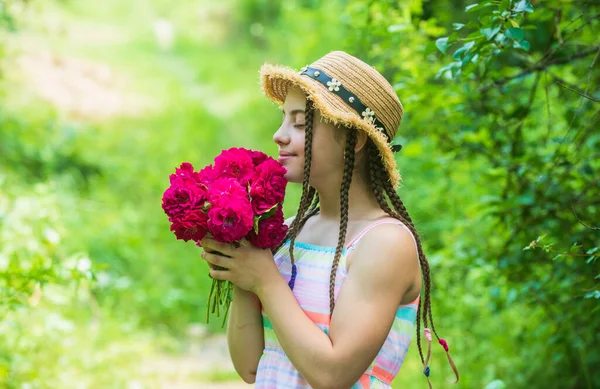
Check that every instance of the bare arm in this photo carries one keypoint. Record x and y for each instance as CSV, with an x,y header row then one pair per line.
x,y
245,336
384,268
245,333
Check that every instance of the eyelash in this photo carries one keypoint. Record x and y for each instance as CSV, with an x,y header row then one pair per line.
x,y
295,125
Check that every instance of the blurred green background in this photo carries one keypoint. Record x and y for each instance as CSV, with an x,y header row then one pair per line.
x,y
101,100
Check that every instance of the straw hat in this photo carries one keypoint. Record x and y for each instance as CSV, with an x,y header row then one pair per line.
x,y
347,92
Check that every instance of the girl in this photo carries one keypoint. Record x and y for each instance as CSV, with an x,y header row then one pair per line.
x,y
335,305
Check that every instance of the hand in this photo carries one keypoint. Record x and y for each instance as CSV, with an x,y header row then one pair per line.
x,y
246,266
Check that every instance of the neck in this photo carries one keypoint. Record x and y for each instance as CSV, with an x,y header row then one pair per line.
x,y
361,200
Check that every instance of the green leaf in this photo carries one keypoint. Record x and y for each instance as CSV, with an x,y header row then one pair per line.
x,y
504,5
398,27
490,32
523,6
269,212
496,384
594,294
476,7
453,68
457,54
524,45
457,26
525,199
468,8
515,34
592,250
255,226
467,58
514,23
442,44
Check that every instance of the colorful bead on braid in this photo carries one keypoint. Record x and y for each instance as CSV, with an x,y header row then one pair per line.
x,y
427,371
427,332
293,277
444,344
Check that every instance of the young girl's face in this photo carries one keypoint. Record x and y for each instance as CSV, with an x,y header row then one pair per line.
x,y
327,147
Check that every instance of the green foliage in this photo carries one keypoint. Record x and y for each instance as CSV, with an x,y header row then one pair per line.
x,y
499,148
514,111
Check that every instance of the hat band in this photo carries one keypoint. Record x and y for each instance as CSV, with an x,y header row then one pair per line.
x,y
349,98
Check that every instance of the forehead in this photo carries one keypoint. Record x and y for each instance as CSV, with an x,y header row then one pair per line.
x,y
295,99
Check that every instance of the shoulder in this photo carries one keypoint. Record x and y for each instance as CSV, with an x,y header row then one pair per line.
x,y
387,252
393,239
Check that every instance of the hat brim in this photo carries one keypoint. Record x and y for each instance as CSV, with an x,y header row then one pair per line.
x,y
275,82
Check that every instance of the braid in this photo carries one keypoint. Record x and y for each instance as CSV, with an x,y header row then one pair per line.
x,y
344,191
308,192
419,332
382,186
377,179
399,206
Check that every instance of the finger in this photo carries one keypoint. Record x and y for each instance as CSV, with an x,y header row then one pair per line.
x,y
219,274
217,260
211,244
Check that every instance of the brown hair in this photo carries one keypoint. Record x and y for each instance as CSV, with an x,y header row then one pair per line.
x,y
388,200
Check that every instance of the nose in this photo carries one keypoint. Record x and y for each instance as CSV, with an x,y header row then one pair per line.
x,y
281,136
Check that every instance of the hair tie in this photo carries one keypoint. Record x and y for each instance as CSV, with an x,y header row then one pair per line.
x,y
293,277
444,344
450,361
427,334
427,371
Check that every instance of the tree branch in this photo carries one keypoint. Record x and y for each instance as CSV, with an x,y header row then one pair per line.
x,y
574,89
539,67
580,221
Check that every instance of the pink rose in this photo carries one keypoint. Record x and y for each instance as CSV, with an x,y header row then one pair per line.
x,y
258,157
225,189
185,175
235,163
271,231
178,199
230,219
268,186
193,225
207,175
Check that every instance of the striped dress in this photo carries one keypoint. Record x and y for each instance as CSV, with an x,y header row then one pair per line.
x,y
275,371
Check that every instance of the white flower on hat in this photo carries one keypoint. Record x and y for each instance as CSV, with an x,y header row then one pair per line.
x,y
334,85
369,115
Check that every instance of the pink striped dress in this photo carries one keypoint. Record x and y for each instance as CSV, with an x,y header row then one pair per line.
x,y
275,371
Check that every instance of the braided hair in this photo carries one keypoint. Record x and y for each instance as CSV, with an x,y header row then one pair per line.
x,y
389,201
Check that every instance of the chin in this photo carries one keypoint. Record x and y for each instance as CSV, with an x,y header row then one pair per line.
x,y
293,178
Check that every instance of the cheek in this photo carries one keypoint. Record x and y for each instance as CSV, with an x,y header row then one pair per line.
x,y
325,163
295,169
327,153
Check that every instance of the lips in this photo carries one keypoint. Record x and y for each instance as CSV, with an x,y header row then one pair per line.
x,y
284,156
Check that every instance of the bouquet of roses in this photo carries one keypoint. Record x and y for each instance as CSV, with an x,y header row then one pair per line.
x,y
241,196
